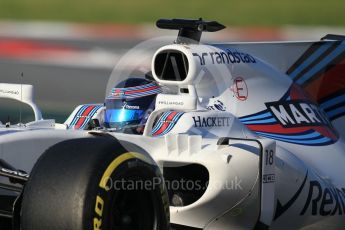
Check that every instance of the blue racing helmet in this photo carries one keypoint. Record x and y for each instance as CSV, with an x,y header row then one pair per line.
x,y
129,105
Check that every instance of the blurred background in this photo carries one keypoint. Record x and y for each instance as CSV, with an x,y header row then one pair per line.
x,y
68,48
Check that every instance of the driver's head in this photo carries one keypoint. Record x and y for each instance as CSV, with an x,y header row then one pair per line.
x,y
129,105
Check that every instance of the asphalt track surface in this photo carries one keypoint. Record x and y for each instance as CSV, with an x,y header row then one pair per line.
x,y
58,88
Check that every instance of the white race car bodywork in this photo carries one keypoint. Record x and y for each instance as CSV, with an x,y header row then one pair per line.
x,y
226,117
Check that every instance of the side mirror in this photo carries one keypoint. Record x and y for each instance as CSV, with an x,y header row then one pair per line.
x,y
23,93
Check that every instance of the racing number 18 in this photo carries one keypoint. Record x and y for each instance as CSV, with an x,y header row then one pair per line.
x,y
269,157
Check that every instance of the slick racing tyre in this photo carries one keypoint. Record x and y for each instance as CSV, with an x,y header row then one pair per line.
x,y
94,183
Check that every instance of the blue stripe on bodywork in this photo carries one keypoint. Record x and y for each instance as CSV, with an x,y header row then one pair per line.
x,y
257,117
160,122
93,111
336,111
311,135
80,111
322,64
266,121
314,142
310,59
333,101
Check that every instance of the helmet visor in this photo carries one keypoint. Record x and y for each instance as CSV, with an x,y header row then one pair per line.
x,y
123,115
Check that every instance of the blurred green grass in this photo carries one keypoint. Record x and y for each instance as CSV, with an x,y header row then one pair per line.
x,y
229,12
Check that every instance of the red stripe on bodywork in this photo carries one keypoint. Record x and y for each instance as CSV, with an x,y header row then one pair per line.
x,y
141,90
166,123
297,93
277,128
326,131
328,83
82,118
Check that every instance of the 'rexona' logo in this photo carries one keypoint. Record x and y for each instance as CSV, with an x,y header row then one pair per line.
x,y
126,106
321,201
327,201
297,113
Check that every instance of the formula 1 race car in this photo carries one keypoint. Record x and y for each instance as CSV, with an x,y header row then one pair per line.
x,y
218,136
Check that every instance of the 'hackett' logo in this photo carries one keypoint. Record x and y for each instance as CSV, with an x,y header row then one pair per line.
x,y
207,122
297,113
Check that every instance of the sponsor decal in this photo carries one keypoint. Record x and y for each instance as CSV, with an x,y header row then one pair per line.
x,y
240,89
217,105
166,123
126,106
208,122
282,208
328,201
321,201
293,119
5,91
99,207
83,116
268,178
297,113
224,57
177,103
